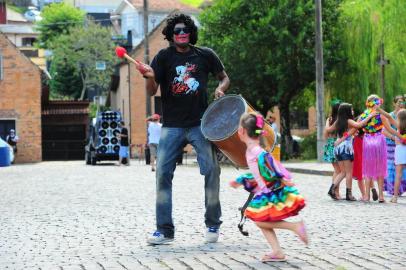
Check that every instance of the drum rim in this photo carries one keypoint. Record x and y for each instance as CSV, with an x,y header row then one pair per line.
x,y
210,106
246,104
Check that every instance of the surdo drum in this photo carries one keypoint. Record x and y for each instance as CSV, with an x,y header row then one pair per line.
x,y
220,124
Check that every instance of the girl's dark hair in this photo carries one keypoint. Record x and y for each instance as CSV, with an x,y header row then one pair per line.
x,y
180,18
344,113
396,99
402,121
249,122
334,111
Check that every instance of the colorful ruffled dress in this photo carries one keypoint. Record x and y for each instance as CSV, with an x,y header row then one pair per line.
x,y
273,199
374,154
389,184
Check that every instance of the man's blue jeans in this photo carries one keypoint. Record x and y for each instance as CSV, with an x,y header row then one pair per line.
x,y
170,146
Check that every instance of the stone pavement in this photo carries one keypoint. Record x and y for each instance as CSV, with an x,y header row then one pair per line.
x,y
66,215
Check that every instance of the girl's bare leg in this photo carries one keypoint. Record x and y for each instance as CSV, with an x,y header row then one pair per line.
x,y
270,236
361,187
296,227
380,189
368,189
339,178
399,170
348,180
348,173
336,170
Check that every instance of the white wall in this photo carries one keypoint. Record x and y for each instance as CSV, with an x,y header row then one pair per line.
x,y
133,20
17,39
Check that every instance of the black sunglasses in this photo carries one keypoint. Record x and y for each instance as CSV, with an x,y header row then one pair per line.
x,y
179,30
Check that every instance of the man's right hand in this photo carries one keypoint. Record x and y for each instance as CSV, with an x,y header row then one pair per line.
x,y
145,70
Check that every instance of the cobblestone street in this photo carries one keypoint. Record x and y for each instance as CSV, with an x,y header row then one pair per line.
x,y
66,215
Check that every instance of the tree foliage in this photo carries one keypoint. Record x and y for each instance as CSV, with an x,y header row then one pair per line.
x,y
267,47
73,68
57,19
66,81
364,26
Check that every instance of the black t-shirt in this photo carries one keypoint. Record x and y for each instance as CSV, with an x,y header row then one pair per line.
x,y
183,80
124,140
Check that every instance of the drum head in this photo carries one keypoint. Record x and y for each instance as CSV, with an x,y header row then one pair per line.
x,y
222,117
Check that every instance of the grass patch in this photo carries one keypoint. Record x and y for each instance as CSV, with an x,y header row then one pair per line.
x,y
195,3
20,10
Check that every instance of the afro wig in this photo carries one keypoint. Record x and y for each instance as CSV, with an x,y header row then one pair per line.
x,y
180,18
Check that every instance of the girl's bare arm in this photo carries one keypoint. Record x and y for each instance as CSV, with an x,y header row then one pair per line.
x,y
331,128
388,127
387,115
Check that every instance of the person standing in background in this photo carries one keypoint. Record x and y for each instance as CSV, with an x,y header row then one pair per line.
x,y
12,140
154,134
272,120
123,154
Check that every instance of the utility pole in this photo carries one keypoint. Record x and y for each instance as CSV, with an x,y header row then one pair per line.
x,y
146,55
319,81
383,62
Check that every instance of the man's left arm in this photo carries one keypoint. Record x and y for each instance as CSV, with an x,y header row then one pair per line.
x,y
217,69
224,84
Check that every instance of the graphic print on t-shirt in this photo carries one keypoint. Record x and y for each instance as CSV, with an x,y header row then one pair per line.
x,y
184,83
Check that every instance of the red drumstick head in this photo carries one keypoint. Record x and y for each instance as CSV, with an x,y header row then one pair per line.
x,y
120,51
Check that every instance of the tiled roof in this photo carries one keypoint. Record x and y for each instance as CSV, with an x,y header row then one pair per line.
x,y
164,5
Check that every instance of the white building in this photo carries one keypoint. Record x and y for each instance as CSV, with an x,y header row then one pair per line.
x,y
22,34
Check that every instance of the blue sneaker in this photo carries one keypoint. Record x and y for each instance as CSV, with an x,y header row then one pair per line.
x,y
158,238
212,234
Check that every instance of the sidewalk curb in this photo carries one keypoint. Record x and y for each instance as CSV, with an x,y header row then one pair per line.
x,y
309,171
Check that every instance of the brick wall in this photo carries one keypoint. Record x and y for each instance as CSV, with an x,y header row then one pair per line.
x,y
20,100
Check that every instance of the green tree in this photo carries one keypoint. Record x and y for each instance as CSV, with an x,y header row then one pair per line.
x,y
66,82
268,49
57,19
365,25
74,60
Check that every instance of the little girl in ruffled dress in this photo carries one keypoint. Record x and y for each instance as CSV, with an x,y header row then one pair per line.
x,y
275,197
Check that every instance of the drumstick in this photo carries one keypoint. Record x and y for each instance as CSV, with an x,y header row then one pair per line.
x,y
122,53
